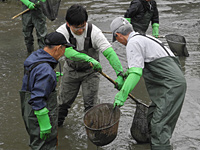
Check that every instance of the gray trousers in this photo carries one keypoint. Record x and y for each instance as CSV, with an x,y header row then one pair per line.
x,y
70,85
30,20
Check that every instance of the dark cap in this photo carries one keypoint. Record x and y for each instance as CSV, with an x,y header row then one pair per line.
x,y
56,38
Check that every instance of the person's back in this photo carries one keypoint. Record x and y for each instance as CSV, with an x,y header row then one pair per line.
x,y
43,70
148,47
141,13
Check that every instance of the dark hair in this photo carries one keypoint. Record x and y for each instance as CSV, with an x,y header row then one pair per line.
x,y
76,15
50,46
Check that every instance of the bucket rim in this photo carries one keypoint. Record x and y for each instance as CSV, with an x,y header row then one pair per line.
x,y
104,127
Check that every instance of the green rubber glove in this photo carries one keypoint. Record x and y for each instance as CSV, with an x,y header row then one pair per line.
x,y
133,78
128,19
43,1
29,4
44,123
72,54
96,65
58,74
114,61
155,30
120,82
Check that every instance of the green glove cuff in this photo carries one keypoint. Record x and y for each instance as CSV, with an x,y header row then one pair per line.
x,y
29,4
72,54
129,84
26,2
58,74
43,119
128,19
120,82
155,25
96,65
135,70
113,59
155,31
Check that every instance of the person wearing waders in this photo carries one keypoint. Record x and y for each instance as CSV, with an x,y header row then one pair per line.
x,y
90,40
141,13
164,80
34,18
38,94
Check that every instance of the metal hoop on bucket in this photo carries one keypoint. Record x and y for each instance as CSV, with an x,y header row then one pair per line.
x,y
101,128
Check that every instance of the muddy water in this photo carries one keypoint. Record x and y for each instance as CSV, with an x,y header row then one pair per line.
x,y
176,16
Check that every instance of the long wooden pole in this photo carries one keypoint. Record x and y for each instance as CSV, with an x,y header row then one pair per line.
x,y
130,95
20,13
111,80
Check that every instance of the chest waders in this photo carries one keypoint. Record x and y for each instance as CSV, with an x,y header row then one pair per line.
x,y
76,75
34,19
141,25
31,121
82,66
166,86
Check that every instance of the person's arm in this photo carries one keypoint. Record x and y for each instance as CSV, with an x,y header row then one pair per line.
x,y
133,78
114,61
72,54
155,21
132,10
155,30
32,5
43,79
42,83
44,123
29,4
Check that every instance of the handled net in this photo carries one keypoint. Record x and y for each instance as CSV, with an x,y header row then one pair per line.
x,y
50,8
177,44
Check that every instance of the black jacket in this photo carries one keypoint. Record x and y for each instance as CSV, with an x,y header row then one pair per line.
x,y
138,8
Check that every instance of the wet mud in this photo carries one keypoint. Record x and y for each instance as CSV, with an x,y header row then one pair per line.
x,y
176,16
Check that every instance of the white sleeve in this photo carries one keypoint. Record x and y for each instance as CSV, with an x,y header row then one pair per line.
x,y
62,29
135,55
99,41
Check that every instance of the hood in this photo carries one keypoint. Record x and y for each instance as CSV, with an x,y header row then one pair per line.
x,y
38,56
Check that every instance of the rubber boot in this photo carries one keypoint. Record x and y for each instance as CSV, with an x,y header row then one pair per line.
x,y
30,49
61,116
